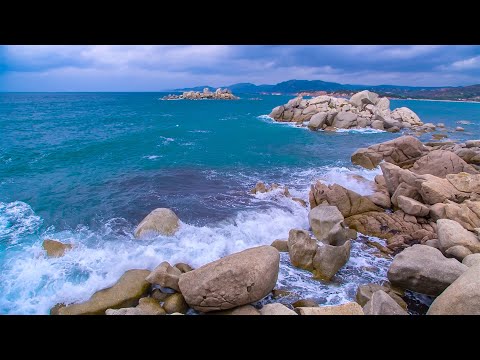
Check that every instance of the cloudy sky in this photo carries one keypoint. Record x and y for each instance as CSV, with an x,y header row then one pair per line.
x,y
163,67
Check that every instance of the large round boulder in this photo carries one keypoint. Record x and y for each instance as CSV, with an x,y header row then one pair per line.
x,y
235,280
161,221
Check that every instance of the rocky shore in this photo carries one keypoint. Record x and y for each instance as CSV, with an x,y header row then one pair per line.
x,y
219,94
425,204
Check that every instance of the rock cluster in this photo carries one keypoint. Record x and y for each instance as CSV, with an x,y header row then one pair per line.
x,y
219,94
365,109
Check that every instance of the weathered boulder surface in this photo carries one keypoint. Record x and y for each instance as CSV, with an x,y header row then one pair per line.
x,y
382,304
351,308
165,276
125,293
55,248
365,292
424,269
327,225
440,163
276,309
235,280
329,259
451,233
146,306
301,248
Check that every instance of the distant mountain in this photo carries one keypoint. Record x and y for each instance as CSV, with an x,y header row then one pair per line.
x,y
292,87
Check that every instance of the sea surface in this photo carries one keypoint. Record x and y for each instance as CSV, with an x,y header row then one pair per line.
x,y
85,168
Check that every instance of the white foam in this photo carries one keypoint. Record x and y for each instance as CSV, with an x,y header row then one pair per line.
x,y
152,157
361,131
199,131
17,219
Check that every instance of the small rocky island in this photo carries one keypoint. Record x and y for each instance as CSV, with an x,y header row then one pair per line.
x,y
365,109
219,94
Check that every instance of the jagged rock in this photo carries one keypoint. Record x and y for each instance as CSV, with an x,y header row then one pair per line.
x,y
412,207
451,233
407,191
365,292
401,151
329,259
347,201
460,298
382,304
327,225
165,276
465,182
276,309
351,308
55,248
466,214
317,121
161,221
235,280
436,190
424,269
124,293
301,248
440,163
280,245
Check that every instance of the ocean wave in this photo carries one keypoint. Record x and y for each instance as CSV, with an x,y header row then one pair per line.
x,y
360,131
199,131
166,140
152,157
17,219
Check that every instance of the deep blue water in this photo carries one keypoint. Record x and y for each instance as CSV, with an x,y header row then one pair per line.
x,y
87,167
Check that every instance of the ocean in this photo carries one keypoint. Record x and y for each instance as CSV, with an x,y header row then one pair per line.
x,y
85,168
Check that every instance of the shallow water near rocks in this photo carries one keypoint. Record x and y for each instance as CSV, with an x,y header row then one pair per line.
x,y
86,168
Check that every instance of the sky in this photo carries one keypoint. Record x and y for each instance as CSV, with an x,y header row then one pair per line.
x,y
165,67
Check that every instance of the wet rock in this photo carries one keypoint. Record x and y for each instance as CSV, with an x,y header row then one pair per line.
x,y
183,267
365,292
165,276
382,304
301,248
55,248
161,221
175,303
329,259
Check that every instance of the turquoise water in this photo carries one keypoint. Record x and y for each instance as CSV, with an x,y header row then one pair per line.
x,y
87,167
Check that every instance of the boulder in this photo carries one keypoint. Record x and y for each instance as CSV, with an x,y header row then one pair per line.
x,y
301,248
383,104
161,221
259,188
232,281
351,308
460,298
280,245
158,295
347,201
406,115
382,304
125,293
365,292
329,259
407,191
327,225
183,267
401,151
412,207
55,248
276,309
451,233
471,260
433,243
472,143
175,303
364,97
466,214
465,182
241,310
440,163
165,276
436,190
458,252
317,121
459,128
146,306
344,120
377,124
304,303
424,269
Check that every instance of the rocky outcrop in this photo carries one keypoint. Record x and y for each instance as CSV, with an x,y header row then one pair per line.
x,y
125,293
364,109
165,276
466,214
365,292
451,233
402,151
301,248
382,304
424,269
327,225
276,309
329,259
219,94
55,248
347,201
440,163
161,221
412,207
175,303
351,308
462,297
232,281
465,182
